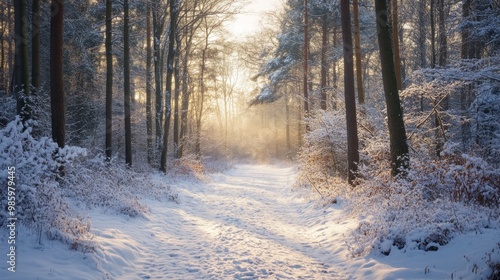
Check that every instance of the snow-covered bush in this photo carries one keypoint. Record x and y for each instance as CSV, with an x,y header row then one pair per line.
x,y
323,155
437,199
39,201
112,186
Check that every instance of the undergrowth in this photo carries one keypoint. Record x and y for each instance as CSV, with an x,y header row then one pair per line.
x,y
439,198
53,183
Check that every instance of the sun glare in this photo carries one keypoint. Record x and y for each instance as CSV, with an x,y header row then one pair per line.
x,y
249,19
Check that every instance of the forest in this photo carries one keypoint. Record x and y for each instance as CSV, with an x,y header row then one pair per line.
x,y
387,109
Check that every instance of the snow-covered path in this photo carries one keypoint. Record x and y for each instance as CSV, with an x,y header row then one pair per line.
x,y
247,224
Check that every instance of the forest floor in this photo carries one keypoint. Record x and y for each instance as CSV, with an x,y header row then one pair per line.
x,y
244,223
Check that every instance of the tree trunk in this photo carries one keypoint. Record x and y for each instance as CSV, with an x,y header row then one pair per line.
x,y
334,72
350,98
157,30
185,92
109,79
443,54
465,94
397,132
57,96
395,41
126,84
174,13
176,96
433,34
324,63
197,144
442,40
357,53
422,34
287,111
21,86
149,117
306,63
35,45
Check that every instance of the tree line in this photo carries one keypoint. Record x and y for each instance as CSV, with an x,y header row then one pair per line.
x,y
162,55
399,47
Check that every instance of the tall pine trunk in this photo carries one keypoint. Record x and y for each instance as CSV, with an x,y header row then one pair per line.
x,y
21,85
149,117
350,98
126,84
35,45
395,42
357,53
57,96
306,62
324,63
397,132
174,13
157,58
109,79
177,92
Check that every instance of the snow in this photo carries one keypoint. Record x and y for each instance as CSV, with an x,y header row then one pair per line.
x,y
244,223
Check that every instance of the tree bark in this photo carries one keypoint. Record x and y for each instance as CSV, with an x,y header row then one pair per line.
x,y
442,40
357,53
433,34
109,80
306,62
126,84
324,63
395,41
21,86
149,55
57,96
35,45
397,132
350,99
157,58
174,13
177,90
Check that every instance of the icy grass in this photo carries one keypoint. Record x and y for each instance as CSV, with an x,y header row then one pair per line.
x,y
438,200
52,184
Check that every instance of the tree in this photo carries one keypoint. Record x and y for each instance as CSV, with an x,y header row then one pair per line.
x,y
149,55
35,45
324,63
395,42
174,14
109,79
350,99
126,84
357,53
21,85
397,132
57,96
306,62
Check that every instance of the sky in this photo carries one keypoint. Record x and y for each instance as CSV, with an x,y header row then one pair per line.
x,y
248,21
